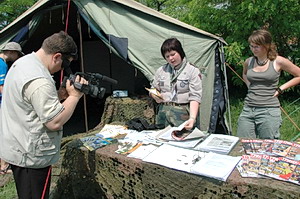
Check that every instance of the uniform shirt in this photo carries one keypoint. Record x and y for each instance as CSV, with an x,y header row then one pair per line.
x,y
185,88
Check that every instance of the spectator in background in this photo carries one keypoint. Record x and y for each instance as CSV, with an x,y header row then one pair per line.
x,y
261,115
11,52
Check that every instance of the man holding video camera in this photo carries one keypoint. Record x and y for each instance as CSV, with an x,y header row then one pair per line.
x,y
33,116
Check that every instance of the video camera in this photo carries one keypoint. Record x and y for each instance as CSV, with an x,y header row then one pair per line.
x,y
93,87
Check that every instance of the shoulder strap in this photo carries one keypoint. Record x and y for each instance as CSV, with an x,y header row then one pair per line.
x,y
251,64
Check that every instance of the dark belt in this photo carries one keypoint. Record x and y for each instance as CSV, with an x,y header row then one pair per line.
x,y
174,104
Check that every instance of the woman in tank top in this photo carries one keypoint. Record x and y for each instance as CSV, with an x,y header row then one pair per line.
x,y
261,115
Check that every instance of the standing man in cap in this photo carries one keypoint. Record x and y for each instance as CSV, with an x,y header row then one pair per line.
x,y
10,53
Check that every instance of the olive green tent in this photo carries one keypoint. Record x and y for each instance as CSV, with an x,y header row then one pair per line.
x,y
121,39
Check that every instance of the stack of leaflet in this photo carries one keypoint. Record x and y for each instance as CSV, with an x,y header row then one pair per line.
x,y
218,143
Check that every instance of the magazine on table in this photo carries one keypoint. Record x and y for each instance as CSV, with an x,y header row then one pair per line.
x,y
218,143
267,164
295,177
249,165
94,142
252,145
283,169
281,147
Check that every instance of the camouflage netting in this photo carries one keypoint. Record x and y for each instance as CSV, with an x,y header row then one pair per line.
x,y
104,174
121,110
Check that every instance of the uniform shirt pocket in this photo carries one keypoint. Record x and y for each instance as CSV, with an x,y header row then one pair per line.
x,y
182,86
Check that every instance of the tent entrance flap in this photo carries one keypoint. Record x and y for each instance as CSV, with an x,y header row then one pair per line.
x,y
120,44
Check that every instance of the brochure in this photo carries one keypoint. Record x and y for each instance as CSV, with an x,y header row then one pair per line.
x,y
111,131
95,142
155,92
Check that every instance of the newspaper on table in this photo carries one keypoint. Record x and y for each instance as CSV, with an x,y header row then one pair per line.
x,y
218,143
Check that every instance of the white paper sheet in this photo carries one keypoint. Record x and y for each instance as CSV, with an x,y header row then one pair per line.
x,y
174,157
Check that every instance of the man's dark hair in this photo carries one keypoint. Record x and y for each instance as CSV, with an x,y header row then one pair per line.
x,y
172,44
62,43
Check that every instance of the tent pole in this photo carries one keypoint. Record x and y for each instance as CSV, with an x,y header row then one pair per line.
x,y
82,69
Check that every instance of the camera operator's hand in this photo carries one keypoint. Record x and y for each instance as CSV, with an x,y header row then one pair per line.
x,y
62,93
72,91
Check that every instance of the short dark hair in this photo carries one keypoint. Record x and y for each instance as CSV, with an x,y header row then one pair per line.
x,y
172,44
62,43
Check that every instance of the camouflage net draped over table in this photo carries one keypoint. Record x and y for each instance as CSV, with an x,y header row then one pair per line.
x,y
121,110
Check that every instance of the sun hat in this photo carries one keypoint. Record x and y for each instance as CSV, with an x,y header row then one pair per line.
x,y
13,46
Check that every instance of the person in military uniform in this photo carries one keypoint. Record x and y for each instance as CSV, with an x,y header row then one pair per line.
x,y
179,87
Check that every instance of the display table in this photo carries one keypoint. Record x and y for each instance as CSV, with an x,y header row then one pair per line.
x,y
106,174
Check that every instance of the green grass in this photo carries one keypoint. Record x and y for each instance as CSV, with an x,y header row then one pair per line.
x,y
288,130
9,190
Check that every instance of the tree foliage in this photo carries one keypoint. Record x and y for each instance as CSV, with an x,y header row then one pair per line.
x,y
234,20
11,9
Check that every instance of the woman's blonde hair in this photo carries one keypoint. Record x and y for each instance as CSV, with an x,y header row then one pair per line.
x,y
264,38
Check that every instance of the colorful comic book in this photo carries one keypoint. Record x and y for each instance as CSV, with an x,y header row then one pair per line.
x,y
267,146
252,145
295,177
294,152
281,147
246,143
267,164
283,169
249,165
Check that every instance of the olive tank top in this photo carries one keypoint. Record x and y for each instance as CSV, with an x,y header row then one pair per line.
x,y
262,86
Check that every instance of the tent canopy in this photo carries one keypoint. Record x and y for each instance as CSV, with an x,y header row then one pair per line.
x,y
134,33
